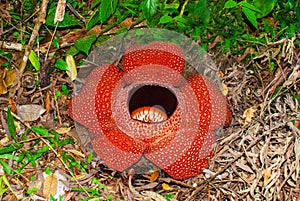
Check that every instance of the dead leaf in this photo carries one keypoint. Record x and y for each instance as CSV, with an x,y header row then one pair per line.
x,y
154,176
78,153
244,167
147,186
249,50
153,195
10,77
50,186
3,88
224,89
47,102
267,174
249,114
72,72
13,105
166,187
63,130
30,112
60,11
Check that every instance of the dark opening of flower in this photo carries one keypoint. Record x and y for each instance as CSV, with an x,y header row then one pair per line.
x,y
151,110
151,103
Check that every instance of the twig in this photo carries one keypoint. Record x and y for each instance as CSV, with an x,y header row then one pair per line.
x,y
38,23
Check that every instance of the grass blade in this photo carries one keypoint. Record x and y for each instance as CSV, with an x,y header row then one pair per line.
x,y
11,125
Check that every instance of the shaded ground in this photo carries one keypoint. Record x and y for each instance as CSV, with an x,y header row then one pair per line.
x,y
256,158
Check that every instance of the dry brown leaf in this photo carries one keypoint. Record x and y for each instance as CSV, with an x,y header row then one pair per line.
x,y
72,68
166,187
60,11
154,176
3,88
63,130
267,174
224,89
10,77
297,148
50,185
249,114
264,152
47,102
290,179
78,153
244,167
153,195
30,112
147,186
249,50
13,105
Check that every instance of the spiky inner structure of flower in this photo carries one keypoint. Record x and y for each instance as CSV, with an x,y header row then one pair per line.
x,y
149,114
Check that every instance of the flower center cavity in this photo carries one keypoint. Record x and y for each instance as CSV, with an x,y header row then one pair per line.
x,y
151,103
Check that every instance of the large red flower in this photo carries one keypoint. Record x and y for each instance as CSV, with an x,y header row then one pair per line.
x,y
149,109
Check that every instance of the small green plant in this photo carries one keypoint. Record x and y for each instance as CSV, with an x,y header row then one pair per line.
x,y
253,9
44,142
169,196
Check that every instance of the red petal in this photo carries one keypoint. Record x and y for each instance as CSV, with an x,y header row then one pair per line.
x,y
81,108
103,107
203,97
166,54
112,156
195,159
189,151
197,155
228,114
218,104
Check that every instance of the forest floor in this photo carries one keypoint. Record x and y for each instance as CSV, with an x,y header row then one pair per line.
x,y
257,157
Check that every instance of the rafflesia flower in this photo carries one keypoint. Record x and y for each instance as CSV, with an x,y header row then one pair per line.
x,y
148,109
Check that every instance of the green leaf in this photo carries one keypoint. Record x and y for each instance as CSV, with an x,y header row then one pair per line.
x,y
84,44
107,8
250,16
10,148
90,158
34,60
94,19
65,142
11,125
61,64
230,4
226,45
48,171
291,30
65,89
32,190
9,157
72,51
265,7
41,131
69,21
180,19
165,19
95,3
248,5
55,43
149,8
6,167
